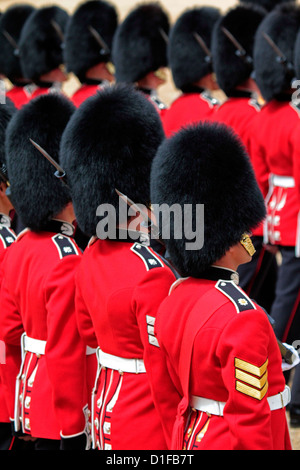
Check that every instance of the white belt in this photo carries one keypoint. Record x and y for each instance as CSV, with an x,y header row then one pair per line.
x,y
134,366
36,346
90,351
283,181
276,402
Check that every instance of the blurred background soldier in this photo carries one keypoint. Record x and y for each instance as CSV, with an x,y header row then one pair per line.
x,y
41,49
110,305
190,61
11,25
140,50
232,49
7,237
275,150
37,291
267,4
220,348
88,44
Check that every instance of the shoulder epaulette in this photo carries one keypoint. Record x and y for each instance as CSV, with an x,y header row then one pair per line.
x,y
64,245
150,260
211,100
158,102
240,300
255,104
7,236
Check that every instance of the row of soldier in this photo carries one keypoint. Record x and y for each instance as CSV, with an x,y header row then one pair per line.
x,y
94,359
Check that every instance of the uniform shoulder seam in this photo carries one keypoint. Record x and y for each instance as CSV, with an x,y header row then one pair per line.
x,y
150,259
236,295
65,245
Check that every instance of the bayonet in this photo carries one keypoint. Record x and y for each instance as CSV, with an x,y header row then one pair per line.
x,y
203,46
58,30
11,41
147,221
281,58
240,51
164,35
60,172
99,39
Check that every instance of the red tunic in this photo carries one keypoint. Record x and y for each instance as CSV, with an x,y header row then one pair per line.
x,y
7,237
84,92
189,108
20,95
235,359
37,297
275,154
117,314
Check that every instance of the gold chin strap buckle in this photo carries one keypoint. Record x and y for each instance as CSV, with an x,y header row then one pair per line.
x,y
161,74
111,68
247,244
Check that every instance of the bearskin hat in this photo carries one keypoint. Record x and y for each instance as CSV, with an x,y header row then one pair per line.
x,y
187,169
11,24
82,50
140,45
267,4
109,144
35,192
274,71
41,41
233,67
188,60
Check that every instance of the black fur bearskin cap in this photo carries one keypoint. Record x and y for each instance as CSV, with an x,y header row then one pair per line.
x,y
187,59
231,69
206,164
11,24
35,192
273,75
267,4
41,41
139,45
297,56
82,51
109,144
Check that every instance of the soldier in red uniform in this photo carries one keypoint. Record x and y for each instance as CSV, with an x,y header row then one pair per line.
x,y
190,61
109,144
47,401
88,45
11,25
41,49
219,346
7,237
275,152
232,49
140,51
